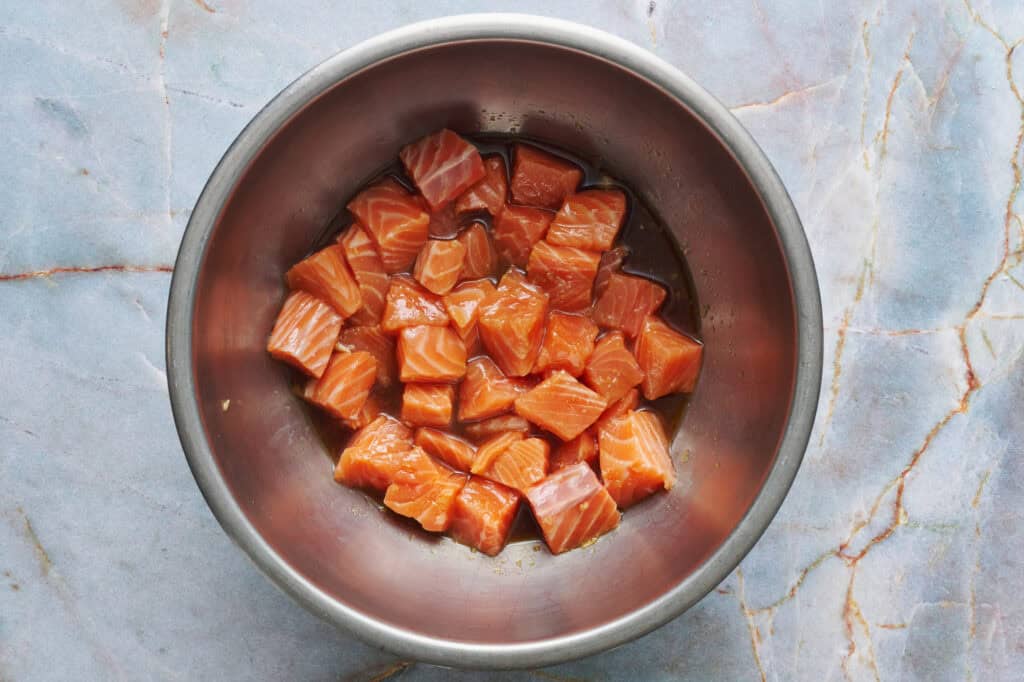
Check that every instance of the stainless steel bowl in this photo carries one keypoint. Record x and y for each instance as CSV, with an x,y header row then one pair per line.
x,y
259,462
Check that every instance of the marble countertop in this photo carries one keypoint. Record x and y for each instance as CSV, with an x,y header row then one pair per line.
x,y
897,128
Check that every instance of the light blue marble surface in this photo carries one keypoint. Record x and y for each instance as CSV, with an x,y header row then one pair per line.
x,y
897,127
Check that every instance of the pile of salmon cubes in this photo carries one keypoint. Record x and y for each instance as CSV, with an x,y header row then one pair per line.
x,y
480,338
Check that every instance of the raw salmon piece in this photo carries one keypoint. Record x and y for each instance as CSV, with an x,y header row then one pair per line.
x,y
565,273
670,360
443,166
439,264
367,413
428,404
345,384
572,508
582,448
512,324
489,428
383,434
611,262
431,355
373,454
304,333
481,258
628,402
450,449
374,341
463,304
407,304
561,405
366,266
568,343
489,450
482,515
612,370
471,339
590,219
634,457
513,277
486,391
490,194
626,301
541,179
326,275
516,230
444,223
395,220
424,489
519,465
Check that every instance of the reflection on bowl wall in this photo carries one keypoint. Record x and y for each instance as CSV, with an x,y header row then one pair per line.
x,y
260,463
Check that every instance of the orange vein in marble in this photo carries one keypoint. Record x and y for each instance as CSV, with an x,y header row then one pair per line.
x,y
868,269
395,669
851,609
36,274
755,632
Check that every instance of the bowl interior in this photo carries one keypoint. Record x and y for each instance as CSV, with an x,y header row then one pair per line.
x,y
271,457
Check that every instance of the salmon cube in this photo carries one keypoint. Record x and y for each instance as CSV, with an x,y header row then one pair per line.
x,y
424,489
483,514
481,258
383,434
670,360
541,179
492,447
568,343
561,405
345,384
428,404
374,341
486,391
444,223
471,339
394,220
430,355
452,450
572,508
305,333
565,273
366,266
516,230
463,305
407,304
326,275
512,324
519,465
443,166
374,454
367,413
628,402
626,301
589,220
490,193
489,428
634,457
612,370
582,448
439,264
611,262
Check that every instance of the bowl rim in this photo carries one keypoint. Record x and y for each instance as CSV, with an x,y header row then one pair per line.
x,y
561,33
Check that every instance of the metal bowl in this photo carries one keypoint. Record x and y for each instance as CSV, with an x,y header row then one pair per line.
x,y
259,462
